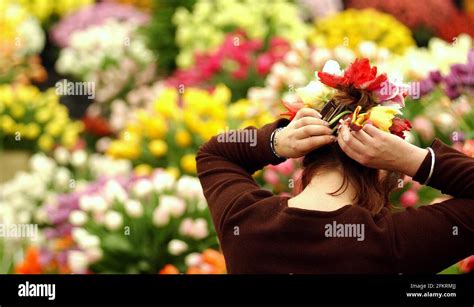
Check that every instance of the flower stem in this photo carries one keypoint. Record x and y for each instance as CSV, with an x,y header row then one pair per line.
x,y
338,117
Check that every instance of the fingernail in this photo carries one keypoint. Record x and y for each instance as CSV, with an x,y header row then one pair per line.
x,y
326,123
320,116
333,138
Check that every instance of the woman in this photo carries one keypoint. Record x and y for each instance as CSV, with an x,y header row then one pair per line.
x,y
341,221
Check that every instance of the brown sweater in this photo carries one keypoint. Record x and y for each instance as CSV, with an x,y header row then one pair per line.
x,y
259,233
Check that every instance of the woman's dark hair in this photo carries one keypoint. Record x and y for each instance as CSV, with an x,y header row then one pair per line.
x,y
372,190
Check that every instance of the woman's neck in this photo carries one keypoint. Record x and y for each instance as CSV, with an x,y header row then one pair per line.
x,y
316,195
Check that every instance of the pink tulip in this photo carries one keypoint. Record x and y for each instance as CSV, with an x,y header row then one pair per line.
x,y
409,198
264,64
285,168
271,177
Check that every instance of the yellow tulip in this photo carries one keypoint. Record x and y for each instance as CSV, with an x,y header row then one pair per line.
x,y
143,170
182,138
46,142
188,163
158,148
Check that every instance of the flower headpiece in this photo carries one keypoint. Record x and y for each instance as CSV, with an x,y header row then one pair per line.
x,y
357,93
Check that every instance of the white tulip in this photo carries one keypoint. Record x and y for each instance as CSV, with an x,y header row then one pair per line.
x,y
113,220
77,262
177,247
193,259
94,254
172,204
163,181
161,217
78,218
332,67
190,187
133,208
78,234
62,177
62,155
89,241
367,49
200,229
311,93
142,188
114,191
79,158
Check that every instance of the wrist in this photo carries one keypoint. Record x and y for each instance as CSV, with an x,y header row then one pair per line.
x,y
275,144
411,159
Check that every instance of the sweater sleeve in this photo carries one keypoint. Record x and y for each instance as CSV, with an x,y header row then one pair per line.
x,y
225,165
431,238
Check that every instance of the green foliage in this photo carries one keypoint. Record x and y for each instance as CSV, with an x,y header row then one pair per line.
x,y
160,32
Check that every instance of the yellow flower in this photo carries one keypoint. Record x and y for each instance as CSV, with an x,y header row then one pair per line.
x,y
188,163
32,130
166,104
158,148
7,124
46,142
122,149
174,171
182,138
143,170
17,111
380,116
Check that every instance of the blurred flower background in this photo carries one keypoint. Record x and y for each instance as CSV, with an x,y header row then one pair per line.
x,y
103,105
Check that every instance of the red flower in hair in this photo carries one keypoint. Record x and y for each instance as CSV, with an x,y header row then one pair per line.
x,y
358,75
399,125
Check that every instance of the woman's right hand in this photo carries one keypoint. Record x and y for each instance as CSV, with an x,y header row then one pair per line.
x,y
306,132
375,148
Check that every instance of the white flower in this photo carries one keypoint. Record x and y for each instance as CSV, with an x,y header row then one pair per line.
x,y
189,187
279,70
42,165
78,234
332,67
94,203
367,49
161,217
114,191
94,254
133,208
62,177
177,247
186,227
142,188
78,218
62,155
200,229
344,55
172,204
77,262
193,259
163,181
79,158
312,93
88,242
113,220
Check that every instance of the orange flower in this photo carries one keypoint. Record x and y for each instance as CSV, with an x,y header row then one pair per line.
x,y
169,269
31,264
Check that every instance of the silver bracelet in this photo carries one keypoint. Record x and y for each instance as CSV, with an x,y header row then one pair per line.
x,y
272,140
432,165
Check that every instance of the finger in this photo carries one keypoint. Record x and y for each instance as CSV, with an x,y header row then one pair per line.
x,y
372,130
347,149
310,143
303,112
350,140
363,137
312,130
305,121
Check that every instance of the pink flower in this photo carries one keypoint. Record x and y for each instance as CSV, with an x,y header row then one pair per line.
x,y
409,198
264,64
424,127
391,92
271,177
285,168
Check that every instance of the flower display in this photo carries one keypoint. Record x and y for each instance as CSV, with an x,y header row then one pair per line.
x,y
94,15
238,63
179,123
21,40
205,26
121,63
34,120
45,10
152,221
209,261
350,27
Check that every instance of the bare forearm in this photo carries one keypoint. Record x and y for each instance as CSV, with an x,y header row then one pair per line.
x,y
410,159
